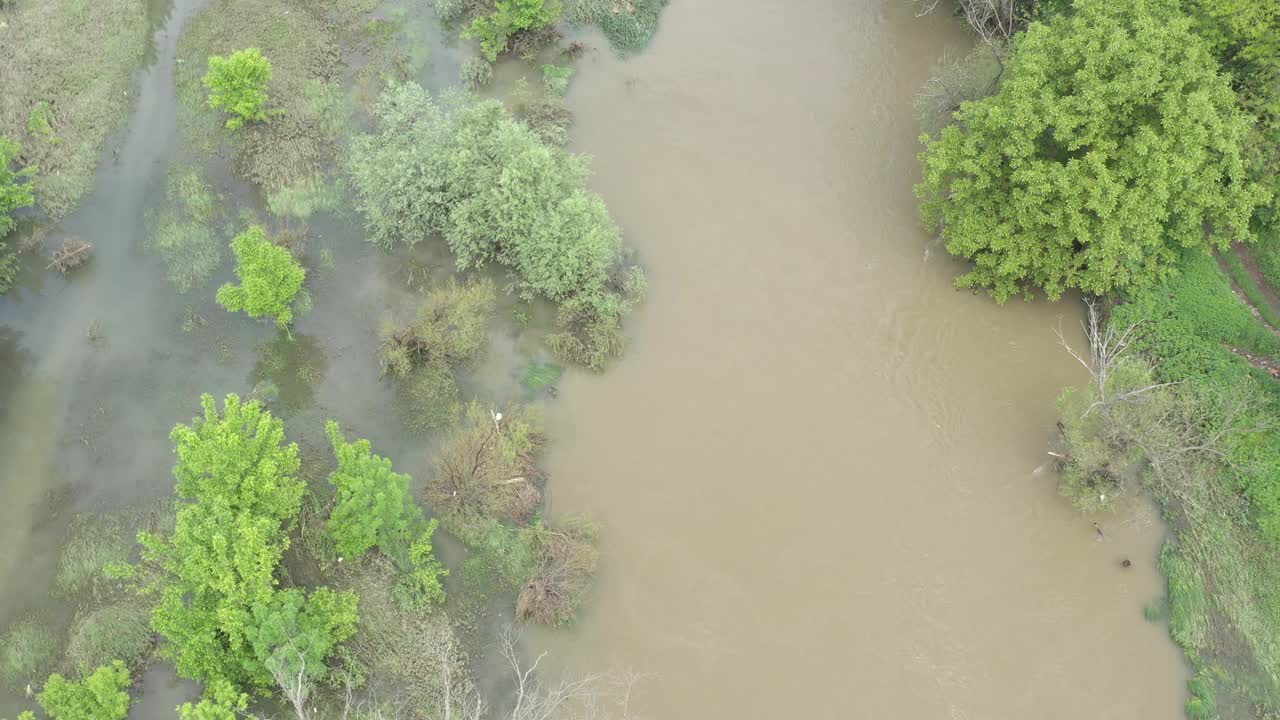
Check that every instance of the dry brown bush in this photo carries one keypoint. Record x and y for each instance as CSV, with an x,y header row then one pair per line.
x,y
567,560
487,468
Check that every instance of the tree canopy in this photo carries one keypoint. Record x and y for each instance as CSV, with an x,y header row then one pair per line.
x,y
270,278
373,506
14,193
1112,144
103,695
238,85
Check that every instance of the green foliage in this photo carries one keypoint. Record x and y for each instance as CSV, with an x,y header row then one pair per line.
x,y
237,495
26,650
292,634
270,278
428,398
103,695
1203,704
477,73
15,192
303,198
182,232
541,375
497,194
9,267
556,78
509,17
1187,622
221,701
629,26
422,588
1254,294
1111,145
373,505
93,543
115,632
238,85
450,329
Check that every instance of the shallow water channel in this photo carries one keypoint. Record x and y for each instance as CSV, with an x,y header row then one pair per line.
x,y
820,470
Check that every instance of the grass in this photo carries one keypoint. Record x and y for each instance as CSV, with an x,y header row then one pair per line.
x,y
540,376
1251,291
1267,253
1188,623
121,631
93,542
183,231
68,86
629,24
26,652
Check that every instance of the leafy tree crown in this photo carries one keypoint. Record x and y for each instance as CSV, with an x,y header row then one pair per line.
x,y
238,85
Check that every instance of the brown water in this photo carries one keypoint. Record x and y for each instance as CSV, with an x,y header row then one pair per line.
x,y
820,469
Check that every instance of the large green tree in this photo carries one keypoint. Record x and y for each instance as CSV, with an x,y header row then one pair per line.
x,y
1112,144
238,84
373,506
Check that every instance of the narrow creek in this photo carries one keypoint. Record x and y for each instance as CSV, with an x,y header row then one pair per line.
x,y
820,470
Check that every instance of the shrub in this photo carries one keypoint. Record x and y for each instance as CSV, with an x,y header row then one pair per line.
x,y
556,78
477,73
567,560
509,17
28,649
115,632
1111,145
270,278
103,695
422,588
629,26
497,194
372,506
238,85
450,329
428,398
486,469
15,192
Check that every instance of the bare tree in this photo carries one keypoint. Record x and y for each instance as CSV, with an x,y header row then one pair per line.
x,y
1108,348
995,21
589,697
295,686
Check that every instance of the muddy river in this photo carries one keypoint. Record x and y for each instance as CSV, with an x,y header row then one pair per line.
x,y
820,470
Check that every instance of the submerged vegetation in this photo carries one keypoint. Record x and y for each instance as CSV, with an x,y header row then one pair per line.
x,y
1124,150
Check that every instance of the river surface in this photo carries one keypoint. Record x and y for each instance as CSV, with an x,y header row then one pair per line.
x,y
820,470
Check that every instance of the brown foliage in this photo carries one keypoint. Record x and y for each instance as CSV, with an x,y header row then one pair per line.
x,y
73,253
567,562
488,468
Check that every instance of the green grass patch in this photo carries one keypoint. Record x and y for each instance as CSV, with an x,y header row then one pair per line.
x,y
1267,252
68,85
26,652
539,376
1245,282
1187,622
116,632
629,24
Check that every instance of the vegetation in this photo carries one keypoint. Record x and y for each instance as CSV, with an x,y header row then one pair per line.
x,y
525,206
1092,175
28,647
68,87
477,73
114,632
449,330
566,565
508,18
15,191
270,278
238,85
102,695
428,398
183,233
629,26
423,586
372,506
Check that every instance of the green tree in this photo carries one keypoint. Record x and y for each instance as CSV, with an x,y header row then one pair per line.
x,y
1112,144
373,506
270,278
423,586
103,695
509,17
238,492
221,701
238,85
14,191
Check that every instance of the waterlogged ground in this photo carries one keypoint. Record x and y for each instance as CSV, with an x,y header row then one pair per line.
x,y
820,470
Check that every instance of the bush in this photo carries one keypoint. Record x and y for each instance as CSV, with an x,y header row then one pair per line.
x,y
450,329
15,192
567,561
372,506
238,85
508,18
28,649
115,632
422,588
270,278
487,469
103,695
1090,169
477,73
428,398
628,26
497,194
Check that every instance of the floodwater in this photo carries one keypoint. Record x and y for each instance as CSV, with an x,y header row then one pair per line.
x,y
820,470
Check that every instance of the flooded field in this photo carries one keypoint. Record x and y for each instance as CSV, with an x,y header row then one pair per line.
x,y
820,470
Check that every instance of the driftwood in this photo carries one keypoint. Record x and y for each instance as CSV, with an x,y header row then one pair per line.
x,y
73,253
